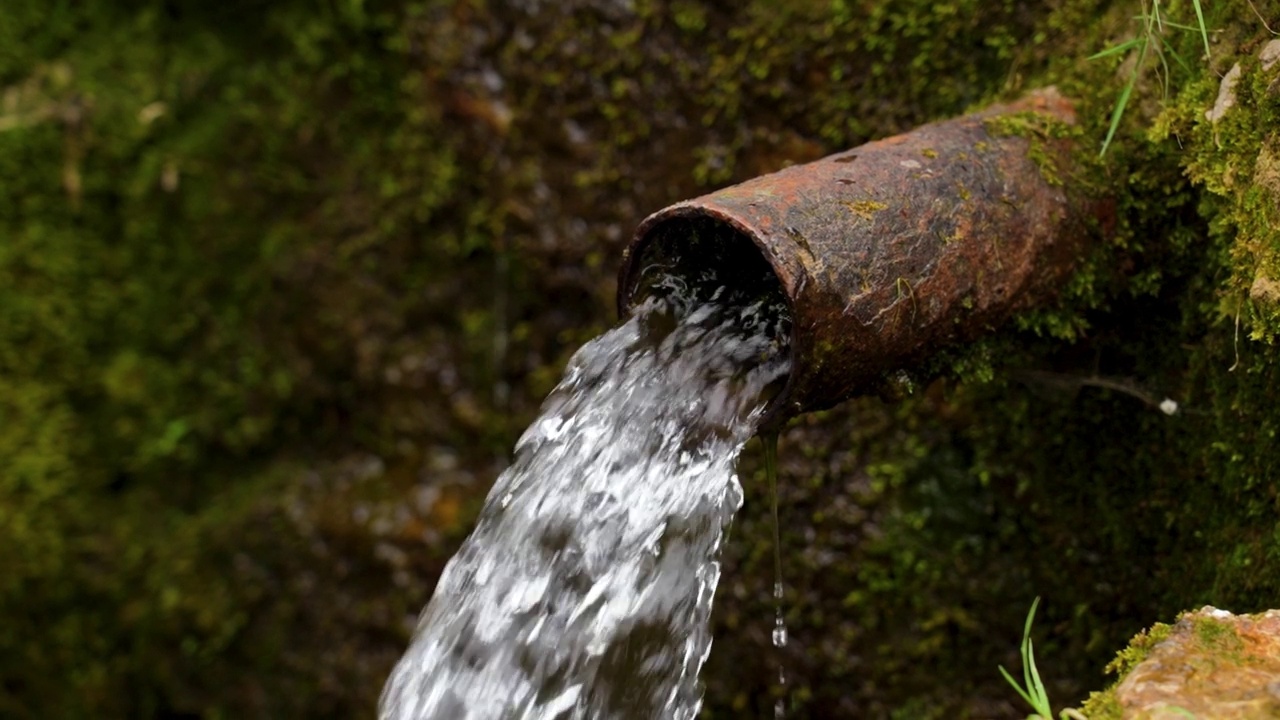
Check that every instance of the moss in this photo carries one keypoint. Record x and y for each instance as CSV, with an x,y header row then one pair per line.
x,y
157,339
1026,453
1038,129
1104,705
1211,638
865,209
1138,649
244,245
240,238
1233,159
1218,637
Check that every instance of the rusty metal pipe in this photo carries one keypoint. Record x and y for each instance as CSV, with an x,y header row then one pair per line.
x,y
888,251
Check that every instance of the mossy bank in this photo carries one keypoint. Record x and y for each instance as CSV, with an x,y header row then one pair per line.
x,y
279,287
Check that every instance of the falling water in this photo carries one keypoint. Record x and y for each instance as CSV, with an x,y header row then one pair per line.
x,y
770,441
585,590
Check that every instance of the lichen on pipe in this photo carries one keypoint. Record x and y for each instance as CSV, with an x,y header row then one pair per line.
x,y
886,252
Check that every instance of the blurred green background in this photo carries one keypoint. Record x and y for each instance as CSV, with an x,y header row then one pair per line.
x,y
281,283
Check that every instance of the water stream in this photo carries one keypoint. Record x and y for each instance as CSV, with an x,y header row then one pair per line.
x,y
585,590
770,441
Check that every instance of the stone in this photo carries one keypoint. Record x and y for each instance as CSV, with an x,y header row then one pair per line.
x,y
1265,289
1270,54
1226,95
1213,664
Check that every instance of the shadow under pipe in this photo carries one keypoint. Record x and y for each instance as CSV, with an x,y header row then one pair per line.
x,y
889,251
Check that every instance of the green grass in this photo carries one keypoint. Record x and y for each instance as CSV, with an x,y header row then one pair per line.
x,y
1032,688
1150,40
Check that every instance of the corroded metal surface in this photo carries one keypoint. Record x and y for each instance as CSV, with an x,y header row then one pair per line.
x,y
889,250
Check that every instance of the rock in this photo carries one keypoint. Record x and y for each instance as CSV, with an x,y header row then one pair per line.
x,y
1265,289
1270,54
1226,95
1212,665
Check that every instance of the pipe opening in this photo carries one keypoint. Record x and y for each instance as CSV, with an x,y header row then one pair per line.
x,y
708,259
694,260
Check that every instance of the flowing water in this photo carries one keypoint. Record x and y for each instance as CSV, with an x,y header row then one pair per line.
x,y
585,590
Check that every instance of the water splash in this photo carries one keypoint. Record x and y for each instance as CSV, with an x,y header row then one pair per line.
x,y
586,589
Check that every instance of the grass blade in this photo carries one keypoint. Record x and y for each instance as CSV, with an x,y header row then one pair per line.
x,y
1037,690
1204,34
1018,688
1116,49
1164,65
1026,635
1174,54
1032,689
1115,116
1031,616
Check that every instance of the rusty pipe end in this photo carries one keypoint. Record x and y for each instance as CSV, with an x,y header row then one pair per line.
x,y
690,237
886,252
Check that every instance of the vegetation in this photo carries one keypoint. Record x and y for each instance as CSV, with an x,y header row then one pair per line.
x,y
1032,688
1150,42
280,285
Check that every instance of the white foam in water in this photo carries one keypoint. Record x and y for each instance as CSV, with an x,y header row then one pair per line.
x,y
585,590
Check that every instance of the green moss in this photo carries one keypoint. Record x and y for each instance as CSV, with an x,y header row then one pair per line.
x,y
1218,638
242,244
1047,136
1212,638
1138,649
169,198
865,209
1151,305
1104,705
236,236
1233,159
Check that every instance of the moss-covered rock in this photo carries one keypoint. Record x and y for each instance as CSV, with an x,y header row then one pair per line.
x,y
1210,664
